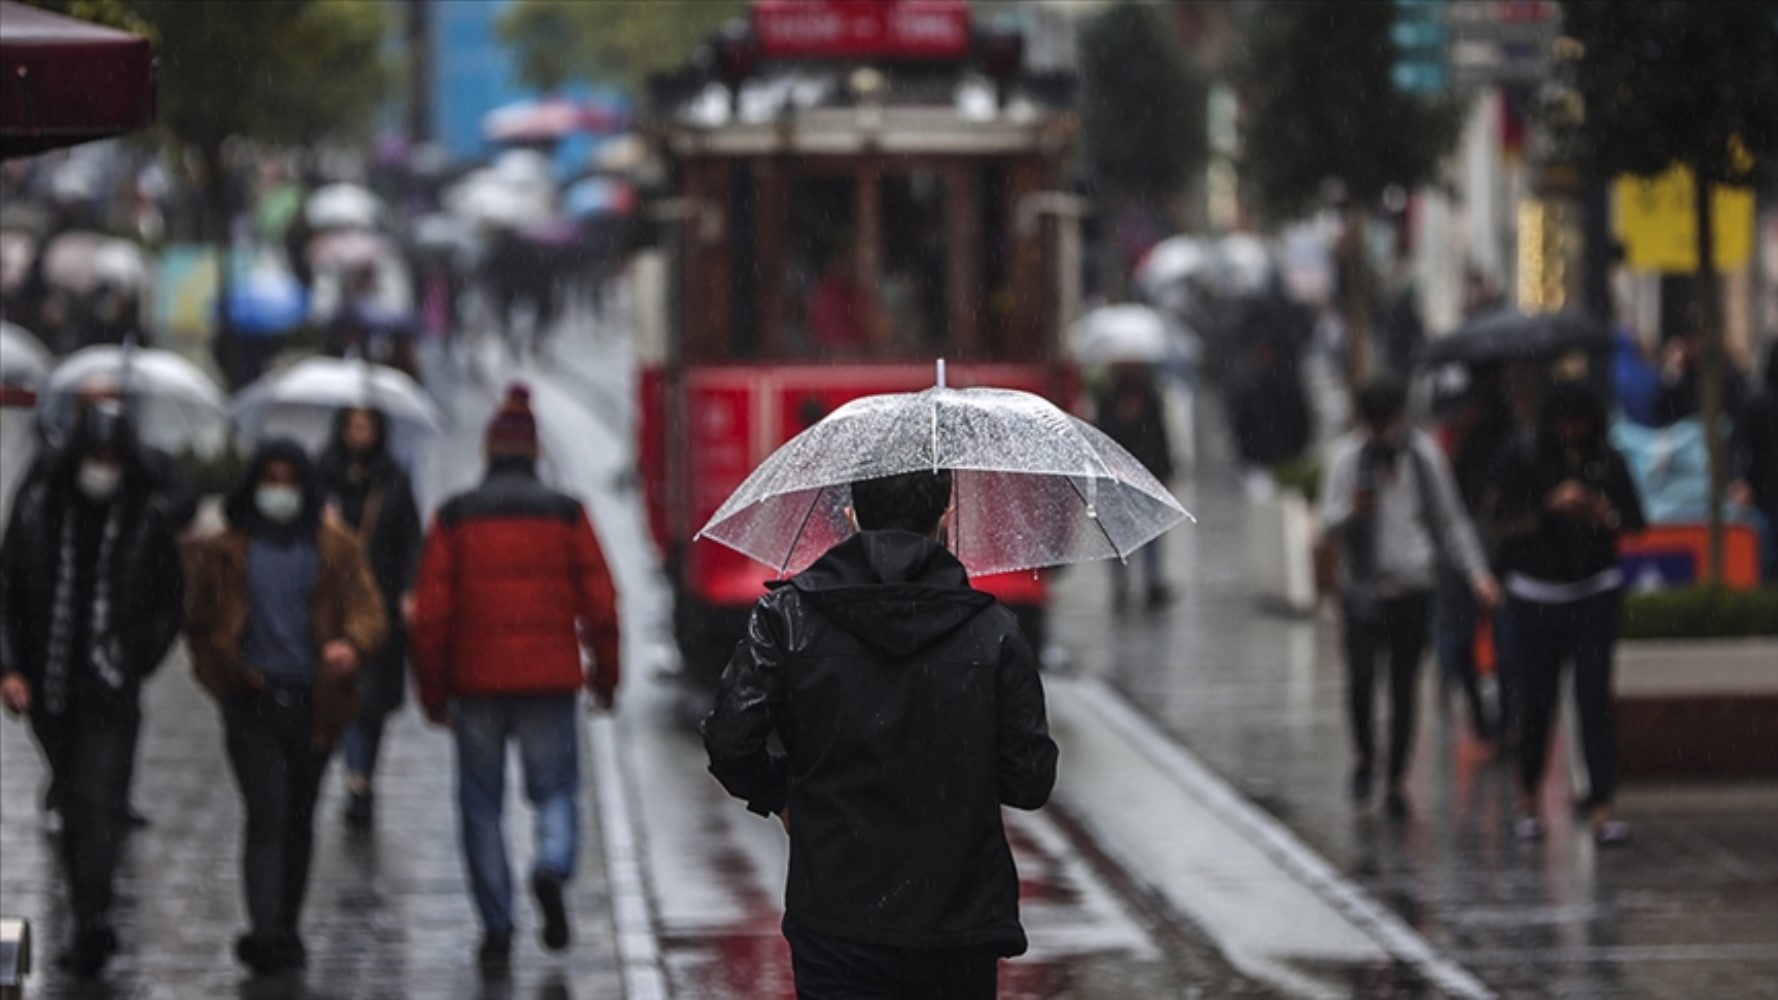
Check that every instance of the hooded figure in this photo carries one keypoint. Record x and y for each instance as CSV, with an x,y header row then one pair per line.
x,y
283,611
910,710
91,595
1565,499
367,492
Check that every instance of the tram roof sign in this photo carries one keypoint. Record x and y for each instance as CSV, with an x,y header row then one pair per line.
x,y
852,29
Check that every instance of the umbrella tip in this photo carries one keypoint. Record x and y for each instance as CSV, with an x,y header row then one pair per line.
x,y
941,373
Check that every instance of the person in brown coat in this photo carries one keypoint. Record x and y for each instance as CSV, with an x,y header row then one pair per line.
x,y
283,611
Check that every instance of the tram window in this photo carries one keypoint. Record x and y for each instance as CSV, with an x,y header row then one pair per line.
x,y
912,286
996,272
744,276
824,302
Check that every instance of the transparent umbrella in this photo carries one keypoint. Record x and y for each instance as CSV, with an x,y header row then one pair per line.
x,y
177,406
23,358
1032,485
330,384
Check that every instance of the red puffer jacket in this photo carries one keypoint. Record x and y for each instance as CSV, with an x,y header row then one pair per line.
x,y
511,580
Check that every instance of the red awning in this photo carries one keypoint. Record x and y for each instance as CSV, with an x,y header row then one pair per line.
x,y
64,81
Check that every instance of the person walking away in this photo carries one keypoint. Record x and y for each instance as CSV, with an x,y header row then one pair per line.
x,y
1391,502
1481,430
1271,416
1566,498
1755,450
1129,410
909,710
365,490
513,589
283,612
91,598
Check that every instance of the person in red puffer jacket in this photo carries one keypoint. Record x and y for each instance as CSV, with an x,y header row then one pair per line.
x,y
512,587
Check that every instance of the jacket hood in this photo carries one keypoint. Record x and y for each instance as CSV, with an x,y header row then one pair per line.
x,y
895,590
243,513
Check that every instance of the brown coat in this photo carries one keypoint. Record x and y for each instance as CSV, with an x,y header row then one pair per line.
x,y
347,606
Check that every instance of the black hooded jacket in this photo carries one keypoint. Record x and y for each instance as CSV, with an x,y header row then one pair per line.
x,y
1539,543
241,509
910,711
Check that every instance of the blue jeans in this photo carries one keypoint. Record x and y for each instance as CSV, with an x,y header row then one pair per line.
x,y
546,730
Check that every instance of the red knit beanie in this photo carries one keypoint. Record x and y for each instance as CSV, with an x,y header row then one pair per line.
x,y
513,431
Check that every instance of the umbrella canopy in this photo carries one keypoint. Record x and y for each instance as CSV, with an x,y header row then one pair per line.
x,y
266,301
599,196
1172,262
343,206
24,361
176,405
486,198
1509,335
1121,333
547,120
68,81
329,384
1243,264
350,248
1033,486
80,261
17,251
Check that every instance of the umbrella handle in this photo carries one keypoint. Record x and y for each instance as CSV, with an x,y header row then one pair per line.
x,y
941,373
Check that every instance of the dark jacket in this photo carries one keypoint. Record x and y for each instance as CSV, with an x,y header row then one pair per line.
x,y
1130,412
1271,416
511,580
1542,544
147,584
910,711
346,603
378,504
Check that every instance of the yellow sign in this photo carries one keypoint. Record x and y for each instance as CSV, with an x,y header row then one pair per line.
x,y
1657,222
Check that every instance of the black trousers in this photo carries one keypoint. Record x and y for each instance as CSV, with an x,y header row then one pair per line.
x,y
831,968
278,769
91,749
1549,635
1398,627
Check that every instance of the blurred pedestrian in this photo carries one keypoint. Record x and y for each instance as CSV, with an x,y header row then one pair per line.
x,y
1271,416
1476,436
1755,451
91,596
513,589
1391,502
1129,410
368,492
1566,497
1681,393
909,710
283,612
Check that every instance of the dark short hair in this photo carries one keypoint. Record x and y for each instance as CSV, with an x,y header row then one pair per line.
x,y
912,501
1381,402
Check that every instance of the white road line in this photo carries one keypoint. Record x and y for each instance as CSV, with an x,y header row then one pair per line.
x,y
638,950
1277,842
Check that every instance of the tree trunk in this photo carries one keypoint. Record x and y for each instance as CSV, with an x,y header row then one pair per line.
x,y
1710,367
1355,296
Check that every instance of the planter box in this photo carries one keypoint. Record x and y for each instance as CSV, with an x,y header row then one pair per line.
x,y
1697,708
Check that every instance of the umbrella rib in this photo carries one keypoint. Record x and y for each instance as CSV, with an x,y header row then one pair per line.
x,y
797,538
1095,518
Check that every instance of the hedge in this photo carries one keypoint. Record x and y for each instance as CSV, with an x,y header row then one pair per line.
x,y
1701,613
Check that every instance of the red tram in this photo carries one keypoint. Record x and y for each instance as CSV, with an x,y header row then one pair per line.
x,y
858,187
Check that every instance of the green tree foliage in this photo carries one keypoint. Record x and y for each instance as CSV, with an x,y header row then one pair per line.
x,y
1142,107
1321,117
620,41
1319,107
1687,83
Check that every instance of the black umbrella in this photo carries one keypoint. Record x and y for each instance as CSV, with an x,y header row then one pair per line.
x,y
1510,335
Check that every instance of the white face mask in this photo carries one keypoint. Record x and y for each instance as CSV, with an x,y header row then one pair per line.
x,y
279,504
99,480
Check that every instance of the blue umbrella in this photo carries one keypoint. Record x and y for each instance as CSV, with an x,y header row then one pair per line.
x,y
598,196
266,302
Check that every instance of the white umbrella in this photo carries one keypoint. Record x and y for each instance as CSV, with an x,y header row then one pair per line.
x,y
121,263
352,248
70,261
329,384
1130,332
17,250
24,361
1033,486
1244,264
1172,261
176,405
343,206
488,200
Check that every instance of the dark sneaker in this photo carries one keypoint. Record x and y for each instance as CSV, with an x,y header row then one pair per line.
x,y
1159,596
1611,833
1528,829
1361,786
269,957
495,954
133,818
91,952
1395,805
360,811
547,887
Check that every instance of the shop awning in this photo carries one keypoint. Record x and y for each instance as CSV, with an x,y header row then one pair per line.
x,y
64,81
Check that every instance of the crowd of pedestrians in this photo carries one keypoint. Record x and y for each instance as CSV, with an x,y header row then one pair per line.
x,y
298,616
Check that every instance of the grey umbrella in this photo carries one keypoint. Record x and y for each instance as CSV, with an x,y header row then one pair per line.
x,y
1033,486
